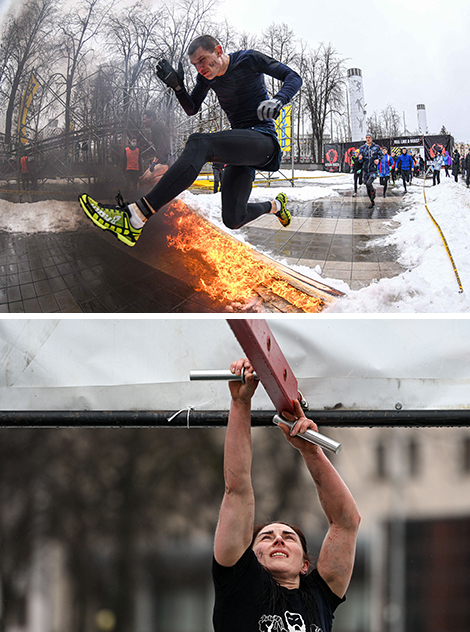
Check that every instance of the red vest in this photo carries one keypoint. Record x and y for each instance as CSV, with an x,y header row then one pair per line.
x,y
132,156
24,164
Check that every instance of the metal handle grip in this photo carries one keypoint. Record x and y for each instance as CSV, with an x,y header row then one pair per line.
x,y
218,374
312,436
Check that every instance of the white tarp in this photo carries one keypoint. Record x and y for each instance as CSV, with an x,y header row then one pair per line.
x,y
144,364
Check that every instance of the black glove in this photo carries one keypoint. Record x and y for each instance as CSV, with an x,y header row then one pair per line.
x,y
172,78
269,109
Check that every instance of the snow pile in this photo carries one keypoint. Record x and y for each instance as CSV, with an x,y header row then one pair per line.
x,y
41,217
429,284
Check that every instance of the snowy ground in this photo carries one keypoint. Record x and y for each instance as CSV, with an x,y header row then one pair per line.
x,y
428,286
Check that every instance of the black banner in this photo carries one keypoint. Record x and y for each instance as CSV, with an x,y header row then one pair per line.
x,y
348,149
337,157
433,143
333,158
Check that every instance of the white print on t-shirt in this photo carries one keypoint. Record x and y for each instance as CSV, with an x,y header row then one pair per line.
x,y
293,623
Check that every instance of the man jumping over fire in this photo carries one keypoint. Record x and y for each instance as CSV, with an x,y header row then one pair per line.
x,y
238,81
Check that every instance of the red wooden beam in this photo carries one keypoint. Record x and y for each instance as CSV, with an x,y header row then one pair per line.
x,y
264,353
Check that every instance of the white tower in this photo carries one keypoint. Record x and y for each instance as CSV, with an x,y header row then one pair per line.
x,y
422,122
356,104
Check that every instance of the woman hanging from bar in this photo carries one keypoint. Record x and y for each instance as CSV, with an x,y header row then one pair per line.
x,y
262,575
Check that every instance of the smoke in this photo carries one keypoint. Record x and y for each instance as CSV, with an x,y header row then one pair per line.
x,y
5,6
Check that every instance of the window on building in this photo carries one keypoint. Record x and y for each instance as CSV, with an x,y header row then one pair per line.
x,y
381,460
413,457
466,455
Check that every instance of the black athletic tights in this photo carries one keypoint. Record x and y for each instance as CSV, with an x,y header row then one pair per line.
x,y
237,148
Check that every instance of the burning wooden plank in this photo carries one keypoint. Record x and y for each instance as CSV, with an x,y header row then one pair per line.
x,y
237,273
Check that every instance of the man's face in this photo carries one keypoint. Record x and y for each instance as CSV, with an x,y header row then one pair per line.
x,y
147,121
208,64
369,140
278,548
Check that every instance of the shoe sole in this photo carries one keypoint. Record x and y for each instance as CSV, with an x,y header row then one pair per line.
x,y
98,221
285,222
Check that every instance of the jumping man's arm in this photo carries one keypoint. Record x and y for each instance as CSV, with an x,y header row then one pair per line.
x,y
175,79
192,102
236,519
336,559
291,81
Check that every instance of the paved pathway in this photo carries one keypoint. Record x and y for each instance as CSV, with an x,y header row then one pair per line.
x,y
89,271
336,234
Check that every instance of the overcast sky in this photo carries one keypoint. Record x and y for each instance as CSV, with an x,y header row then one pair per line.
x,y
409,51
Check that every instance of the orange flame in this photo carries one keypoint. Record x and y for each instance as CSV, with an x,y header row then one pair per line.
x,y
234,271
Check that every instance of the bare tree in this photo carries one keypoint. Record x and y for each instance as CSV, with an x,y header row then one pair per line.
x,y
28,34
301,62
278,41
184,21
78,29
374,125
323,91
131,37
391,121
247,41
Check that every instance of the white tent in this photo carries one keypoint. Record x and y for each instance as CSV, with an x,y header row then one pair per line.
x,y
144,364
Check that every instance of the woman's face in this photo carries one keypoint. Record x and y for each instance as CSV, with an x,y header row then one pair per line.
x,y
279,549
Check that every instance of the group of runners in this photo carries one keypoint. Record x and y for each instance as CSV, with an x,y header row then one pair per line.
x,y
371,161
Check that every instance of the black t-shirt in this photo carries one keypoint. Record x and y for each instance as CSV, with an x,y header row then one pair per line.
x,y
241,602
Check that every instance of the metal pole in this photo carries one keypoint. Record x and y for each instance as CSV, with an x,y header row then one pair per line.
x,y
218,374
312,436
292,141
218,418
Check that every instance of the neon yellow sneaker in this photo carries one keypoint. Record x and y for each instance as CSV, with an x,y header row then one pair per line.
x,y
283,215
114,218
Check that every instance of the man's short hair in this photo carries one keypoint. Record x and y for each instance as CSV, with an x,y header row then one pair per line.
x,y
206,42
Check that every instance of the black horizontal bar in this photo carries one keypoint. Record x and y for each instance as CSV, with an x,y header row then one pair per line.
x,y
218,419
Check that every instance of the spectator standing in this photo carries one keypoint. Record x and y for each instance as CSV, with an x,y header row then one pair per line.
x,y
467,168
456,165
437,164
218,171
447,162
132,167
25,174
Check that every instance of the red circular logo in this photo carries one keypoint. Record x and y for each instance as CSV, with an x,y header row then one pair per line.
x,y
332,155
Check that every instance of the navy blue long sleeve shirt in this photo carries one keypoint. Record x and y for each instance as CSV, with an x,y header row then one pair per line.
x,y
242,88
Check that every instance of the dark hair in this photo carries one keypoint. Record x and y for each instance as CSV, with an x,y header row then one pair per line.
x,y
150,114
275,596
207,42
